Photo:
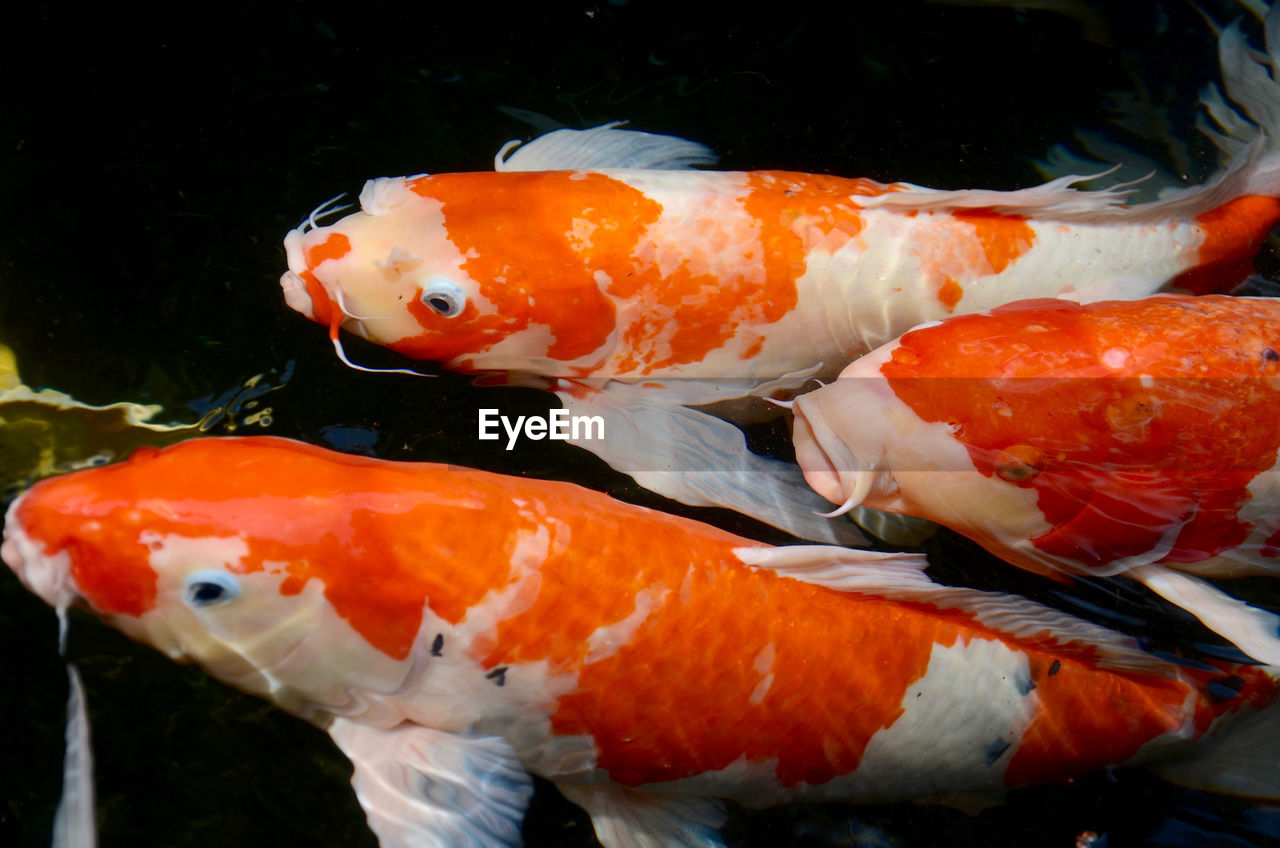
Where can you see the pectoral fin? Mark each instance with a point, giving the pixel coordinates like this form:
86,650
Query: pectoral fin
74,824
1254,631
625,818
698,459
841,569
420,786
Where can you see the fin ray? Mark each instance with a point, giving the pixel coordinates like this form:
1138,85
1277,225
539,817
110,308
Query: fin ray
420,786
625,818
604,146
1251,629
700,460
841,569
74,824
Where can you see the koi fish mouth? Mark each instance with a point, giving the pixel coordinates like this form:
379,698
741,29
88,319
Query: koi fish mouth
295,294
829,467
47,577
295,288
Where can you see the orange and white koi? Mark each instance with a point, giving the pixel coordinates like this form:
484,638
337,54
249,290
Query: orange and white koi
1123,437
455,630
596,257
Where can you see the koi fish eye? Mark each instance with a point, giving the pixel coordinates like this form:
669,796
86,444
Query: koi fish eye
1019,463
443,297
204,589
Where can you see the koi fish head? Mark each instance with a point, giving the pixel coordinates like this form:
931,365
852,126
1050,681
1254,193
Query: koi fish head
842,439
462,269
859,444
243,555
1086,439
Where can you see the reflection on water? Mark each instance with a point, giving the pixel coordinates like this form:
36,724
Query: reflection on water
47,432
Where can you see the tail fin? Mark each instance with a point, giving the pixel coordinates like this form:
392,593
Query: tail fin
1249,77
1243,123
1244,759
1240,205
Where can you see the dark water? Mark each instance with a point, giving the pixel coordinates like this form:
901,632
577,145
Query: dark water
151,165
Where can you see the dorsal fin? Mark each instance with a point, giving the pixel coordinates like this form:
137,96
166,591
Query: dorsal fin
900,577
604,146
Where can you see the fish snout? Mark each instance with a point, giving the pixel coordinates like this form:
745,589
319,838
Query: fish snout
46,576
295,294
830,466
291,282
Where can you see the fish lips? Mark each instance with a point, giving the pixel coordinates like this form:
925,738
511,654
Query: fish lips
48,576
291,283
830,468
295,294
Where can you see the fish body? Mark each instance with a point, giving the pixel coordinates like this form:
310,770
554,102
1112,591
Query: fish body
472,627
599,254
596,264
634,274
1070,439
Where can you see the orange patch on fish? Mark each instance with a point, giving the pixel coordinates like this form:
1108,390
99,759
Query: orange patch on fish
746,271
335,246
1003,237
967,245
1137,427
981,244
754,349
1233,234
950,293
470,331
659,726
323,308
536,243
1116,713
128,586
1271,548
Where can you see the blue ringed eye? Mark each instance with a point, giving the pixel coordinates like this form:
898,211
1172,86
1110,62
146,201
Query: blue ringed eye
203,589
443,297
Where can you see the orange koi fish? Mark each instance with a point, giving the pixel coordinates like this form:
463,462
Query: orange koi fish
637,288
1135,438
456,630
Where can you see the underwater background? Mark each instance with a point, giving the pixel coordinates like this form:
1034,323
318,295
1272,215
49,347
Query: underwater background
150,166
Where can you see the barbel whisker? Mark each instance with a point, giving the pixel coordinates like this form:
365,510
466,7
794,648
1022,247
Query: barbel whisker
322,210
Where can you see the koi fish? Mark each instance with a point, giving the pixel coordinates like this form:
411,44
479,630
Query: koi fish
636,287
1123,437
456,630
